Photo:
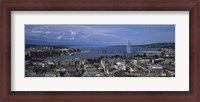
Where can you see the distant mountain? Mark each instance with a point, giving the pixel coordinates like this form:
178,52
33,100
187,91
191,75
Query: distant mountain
37,45
159,45
122,45
153,45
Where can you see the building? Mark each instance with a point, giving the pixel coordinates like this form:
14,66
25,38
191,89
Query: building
50,74
121,66
71,70
134,62
156,67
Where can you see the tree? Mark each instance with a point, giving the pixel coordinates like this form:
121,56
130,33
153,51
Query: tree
156,56
62,74
144,55
116,56
138,55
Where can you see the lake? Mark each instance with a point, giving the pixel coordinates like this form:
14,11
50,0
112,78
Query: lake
94,52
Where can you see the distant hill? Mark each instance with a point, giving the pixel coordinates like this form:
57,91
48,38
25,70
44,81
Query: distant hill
153,45
123,45
36,45
159,45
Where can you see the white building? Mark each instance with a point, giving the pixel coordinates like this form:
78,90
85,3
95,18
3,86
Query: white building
121,66
156,67
134,62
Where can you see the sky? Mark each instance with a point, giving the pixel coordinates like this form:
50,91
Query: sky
98,34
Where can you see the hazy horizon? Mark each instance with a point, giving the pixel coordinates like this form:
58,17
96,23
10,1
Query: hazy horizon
92,45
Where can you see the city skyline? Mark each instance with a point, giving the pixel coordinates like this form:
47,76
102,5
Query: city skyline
98,34
100,50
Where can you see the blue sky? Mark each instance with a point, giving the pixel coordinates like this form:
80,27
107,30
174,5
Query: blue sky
98,34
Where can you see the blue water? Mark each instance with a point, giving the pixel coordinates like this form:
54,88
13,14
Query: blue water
94,52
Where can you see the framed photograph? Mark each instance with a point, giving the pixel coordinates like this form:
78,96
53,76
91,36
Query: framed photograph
100,50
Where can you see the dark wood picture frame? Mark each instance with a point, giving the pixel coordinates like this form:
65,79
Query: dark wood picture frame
193,6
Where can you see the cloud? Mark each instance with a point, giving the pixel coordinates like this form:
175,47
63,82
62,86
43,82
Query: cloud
72,33
106,42
90,32
72,38
47,37
36,31
58,32
84,36
47,32
137,32
59,37
40,32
